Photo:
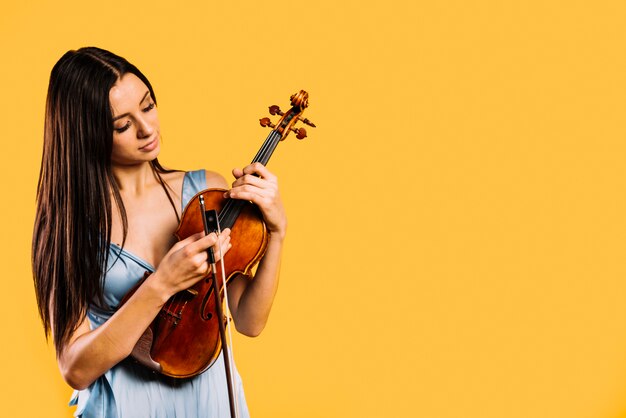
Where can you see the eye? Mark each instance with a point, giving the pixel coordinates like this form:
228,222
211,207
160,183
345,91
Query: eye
123,128
149,108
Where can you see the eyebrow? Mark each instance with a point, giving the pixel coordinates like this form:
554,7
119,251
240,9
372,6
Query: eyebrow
126,114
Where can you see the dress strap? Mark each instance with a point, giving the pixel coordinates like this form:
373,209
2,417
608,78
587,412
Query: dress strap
167,193
193,182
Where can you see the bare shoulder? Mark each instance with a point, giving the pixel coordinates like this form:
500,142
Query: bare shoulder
174,179
215,180
173,175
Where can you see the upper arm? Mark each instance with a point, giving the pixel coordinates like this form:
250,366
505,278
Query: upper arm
64,358
215,180
82,328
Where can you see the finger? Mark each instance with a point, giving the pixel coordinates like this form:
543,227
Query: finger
243,191
222,249
203,243
223,241
209,240
260,196
261,191
257,197
204,269
226,248
252,180
190,239
237,172
258,168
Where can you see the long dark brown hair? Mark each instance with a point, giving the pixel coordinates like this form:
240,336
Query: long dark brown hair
72,230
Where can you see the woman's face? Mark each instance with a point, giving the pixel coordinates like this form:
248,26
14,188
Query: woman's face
136,131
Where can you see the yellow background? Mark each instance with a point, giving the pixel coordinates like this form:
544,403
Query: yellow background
457,220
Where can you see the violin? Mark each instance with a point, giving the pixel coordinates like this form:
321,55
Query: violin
187,335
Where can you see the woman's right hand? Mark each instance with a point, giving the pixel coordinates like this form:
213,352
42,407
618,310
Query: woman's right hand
187,261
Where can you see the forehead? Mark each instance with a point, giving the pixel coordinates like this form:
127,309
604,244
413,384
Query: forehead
126,93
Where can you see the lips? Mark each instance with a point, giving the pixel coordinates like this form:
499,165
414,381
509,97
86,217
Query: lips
150,145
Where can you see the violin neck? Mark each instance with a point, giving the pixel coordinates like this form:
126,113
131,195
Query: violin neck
231,210
267,149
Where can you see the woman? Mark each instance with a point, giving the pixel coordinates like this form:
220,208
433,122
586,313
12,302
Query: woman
97,232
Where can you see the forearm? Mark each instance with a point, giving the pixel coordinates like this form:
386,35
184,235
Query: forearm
90,354
253,308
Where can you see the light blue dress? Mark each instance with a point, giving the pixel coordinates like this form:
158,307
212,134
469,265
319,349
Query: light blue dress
129,390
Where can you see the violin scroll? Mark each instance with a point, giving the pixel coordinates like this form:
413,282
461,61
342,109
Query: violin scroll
299,102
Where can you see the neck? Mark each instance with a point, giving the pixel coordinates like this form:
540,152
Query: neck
134,179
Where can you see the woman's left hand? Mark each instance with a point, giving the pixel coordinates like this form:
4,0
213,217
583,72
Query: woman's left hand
258,185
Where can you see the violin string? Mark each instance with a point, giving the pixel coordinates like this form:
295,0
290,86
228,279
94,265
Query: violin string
229,212
225,213
231,354
267,145
272,141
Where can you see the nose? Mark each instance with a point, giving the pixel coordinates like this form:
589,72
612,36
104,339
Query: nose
144,128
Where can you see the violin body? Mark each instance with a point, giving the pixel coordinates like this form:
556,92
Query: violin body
183,340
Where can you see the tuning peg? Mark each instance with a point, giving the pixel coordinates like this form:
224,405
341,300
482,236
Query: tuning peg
275,110
265,122
300,132
307,122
